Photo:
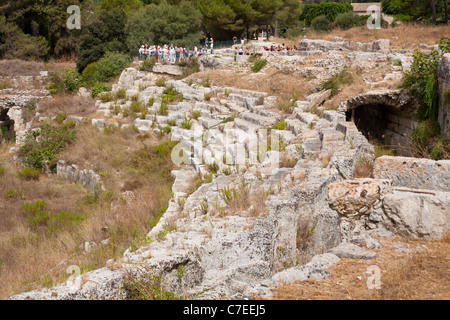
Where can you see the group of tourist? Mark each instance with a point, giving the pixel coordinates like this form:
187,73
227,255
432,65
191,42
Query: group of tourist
173,53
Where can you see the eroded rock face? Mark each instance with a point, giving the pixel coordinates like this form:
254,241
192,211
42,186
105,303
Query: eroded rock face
420,214
324,45
414,173
358,203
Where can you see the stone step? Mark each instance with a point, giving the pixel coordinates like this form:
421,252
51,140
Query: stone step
143,125
319,97
306,117
311,146
208,122
234,107
333,116
295,126
330,134
246,125
263,121
286,136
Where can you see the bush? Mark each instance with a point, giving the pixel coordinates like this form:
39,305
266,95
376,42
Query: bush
99,88
110,66
343,78
328,9
29,174
90,73
259,64
321,24
72,80
44,144
15,44
347,20
57,84
148,64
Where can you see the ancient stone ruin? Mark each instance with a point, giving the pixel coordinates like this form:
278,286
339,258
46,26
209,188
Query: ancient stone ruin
310,214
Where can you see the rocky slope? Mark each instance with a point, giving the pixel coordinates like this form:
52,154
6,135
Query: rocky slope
274,214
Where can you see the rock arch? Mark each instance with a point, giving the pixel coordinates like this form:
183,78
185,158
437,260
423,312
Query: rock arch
384,115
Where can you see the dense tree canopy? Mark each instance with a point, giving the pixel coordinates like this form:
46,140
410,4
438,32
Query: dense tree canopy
31,29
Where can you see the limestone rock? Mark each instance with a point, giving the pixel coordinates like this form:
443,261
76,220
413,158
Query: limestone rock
420,214
349,250
413,172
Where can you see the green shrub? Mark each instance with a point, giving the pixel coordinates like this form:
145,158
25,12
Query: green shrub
186,124
2,170
90,73
281,125
136,106
44,144
347,20
105,96
121,94
321,24
160,82
196,114
148,64
60,118
56,84
11,194
29,174
259,64
110,66
343,78
422,80
163,109
98,88
72,80
328,9
172,122
171,94
38,216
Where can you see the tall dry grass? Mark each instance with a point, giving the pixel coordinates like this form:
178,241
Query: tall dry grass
32,257
406,36
16,67
422,274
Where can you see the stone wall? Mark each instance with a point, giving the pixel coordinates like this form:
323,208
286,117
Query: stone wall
19,82
444,94
88,178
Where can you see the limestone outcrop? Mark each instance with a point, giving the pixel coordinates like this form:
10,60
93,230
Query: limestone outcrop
296,219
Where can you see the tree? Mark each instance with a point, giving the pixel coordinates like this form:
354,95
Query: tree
106,33
47,19
433,8
164,24
14,44
224,18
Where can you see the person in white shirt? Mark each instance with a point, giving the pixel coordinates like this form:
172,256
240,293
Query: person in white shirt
141,52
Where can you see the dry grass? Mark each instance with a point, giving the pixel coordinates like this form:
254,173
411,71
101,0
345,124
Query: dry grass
17,67
422,274
407,36
67,104
364,168
271,81
31,257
